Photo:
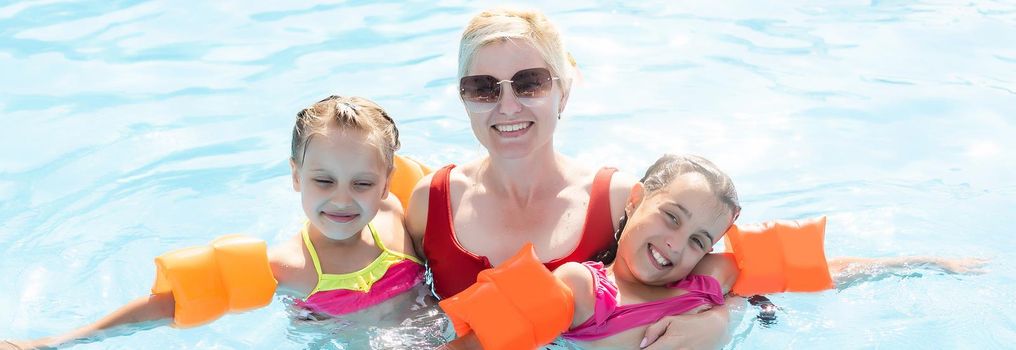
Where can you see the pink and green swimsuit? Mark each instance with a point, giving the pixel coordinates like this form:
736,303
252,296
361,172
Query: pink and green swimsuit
608,318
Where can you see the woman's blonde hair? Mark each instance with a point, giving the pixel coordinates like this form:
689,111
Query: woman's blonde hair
348,113
529,26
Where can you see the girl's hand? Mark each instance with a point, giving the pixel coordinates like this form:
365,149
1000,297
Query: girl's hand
968,266
466,342
17,345
705,330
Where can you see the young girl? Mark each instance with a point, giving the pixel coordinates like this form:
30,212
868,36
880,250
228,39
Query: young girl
353,255
674,215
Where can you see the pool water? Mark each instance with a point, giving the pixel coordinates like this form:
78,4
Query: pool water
130,128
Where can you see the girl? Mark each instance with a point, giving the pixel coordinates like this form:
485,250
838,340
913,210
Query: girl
353,256
660,264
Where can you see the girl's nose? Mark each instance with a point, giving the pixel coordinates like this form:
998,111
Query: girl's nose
673,247
341,197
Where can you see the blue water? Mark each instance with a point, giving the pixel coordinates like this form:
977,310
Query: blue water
130,128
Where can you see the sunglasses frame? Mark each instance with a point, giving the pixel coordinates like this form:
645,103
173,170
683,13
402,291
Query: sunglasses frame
526,101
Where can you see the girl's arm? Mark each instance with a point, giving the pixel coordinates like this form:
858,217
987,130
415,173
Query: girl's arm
416,214
708,329
579,279
720,266
466,342
155,307
850,270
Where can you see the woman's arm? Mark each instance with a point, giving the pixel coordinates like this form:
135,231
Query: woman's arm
155,307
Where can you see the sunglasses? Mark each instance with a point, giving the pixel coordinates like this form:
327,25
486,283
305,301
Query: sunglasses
481,93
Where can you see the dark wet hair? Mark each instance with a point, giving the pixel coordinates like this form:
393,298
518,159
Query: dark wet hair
661,173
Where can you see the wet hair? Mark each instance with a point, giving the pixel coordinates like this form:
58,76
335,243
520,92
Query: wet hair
346,113
528,26
662,173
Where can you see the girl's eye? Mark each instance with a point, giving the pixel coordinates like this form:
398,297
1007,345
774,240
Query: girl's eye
363,184
673,218
323,181
699,243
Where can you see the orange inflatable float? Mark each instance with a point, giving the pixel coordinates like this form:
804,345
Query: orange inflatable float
517,305
780,256
407,172
229,275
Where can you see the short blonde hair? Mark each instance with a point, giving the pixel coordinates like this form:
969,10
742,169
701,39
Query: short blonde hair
347,113
529,26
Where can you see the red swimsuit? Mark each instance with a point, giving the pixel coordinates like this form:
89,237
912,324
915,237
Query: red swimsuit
455,269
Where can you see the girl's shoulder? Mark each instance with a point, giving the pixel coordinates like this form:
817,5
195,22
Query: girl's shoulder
390,225
290,266
579,278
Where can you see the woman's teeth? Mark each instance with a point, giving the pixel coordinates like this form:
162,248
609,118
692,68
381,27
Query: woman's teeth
659,257
512,127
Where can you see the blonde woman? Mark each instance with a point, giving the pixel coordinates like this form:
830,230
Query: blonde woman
515,78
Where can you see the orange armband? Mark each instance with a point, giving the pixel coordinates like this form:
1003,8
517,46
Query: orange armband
517,305
407,172
230,274
780,256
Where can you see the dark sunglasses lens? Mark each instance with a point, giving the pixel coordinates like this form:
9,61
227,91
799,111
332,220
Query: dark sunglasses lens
479,88
533,82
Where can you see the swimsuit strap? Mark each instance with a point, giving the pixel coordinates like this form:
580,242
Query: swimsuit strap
385,250
310,249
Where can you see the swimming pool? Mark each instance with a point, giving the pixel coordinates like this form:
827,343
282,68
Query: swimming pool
131,128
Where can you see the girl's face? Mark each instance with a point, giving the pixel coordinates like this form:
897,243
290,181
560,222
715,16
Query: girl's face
669,231
513,129
342,182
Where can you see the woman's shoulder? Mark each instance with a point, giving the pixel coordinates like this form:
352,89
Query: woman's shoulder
618,190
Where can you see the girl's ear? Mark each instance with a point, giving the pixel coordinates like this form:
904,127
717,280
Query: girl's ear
638,193
296,174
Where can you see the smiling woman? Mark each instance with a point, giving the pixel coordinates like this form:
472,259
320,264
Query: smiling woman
474,217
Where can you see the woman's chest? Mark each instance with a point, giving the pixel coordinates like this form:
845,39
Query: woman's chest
490,227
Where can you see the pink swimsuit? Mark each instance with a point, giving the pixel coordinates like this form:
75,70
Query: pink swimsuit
390,274
608,318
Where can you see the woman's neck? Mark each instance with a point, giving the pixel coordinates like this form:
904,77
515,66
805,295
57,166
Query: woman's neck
523,179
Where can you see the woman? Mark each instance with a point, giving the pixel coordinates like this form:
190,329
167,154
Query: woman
515,78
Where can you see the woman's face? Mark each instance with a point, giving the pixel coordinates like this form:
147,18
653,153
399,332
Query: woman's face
669,231
513,129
